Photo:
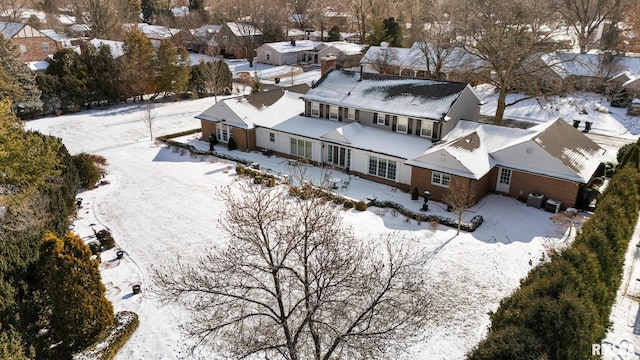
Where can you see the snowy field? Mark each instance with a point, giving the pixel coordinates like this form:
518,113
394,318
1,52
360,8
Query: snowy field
160,205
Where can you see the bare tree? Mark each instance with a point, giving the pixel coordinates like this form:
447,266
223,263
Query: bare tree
292,282
13,10
504,39
585,17
460,196
384,59
149,116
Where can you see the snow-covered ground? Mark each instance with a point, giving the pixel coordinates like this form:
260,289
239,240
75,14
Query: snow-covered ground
160,205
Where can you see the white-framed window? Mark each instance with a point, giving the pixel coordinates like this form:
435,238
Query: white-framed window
301,148
382,167
403,124
223,132
226,38
45,47
315,109
351,114
426,129
272,137
333,112
440,179
381,117
23,49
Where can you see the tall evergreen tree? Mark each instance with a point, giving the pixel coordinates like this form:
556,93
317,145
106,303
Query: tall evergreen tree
76,308
137,77
148,8
172,69
102,74
70,84
29,103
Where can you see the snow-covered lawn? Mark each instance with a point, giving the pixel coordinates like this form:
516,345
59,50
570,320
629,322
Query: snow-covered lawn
160,205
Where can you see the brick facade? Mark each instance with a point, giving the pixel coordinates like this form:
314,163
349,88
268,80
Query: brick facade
35,48
522,184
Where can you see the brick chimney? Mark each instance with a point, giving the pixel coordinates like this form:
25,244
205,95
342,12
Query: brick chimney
327,64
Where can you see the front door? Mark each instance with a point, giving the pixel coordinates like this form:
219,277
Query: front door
504,180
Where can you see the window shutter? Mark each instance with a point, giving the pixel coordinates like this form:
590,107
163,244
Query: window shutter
357,115
394,123
386,119
375,118
436,131
409,126
418,127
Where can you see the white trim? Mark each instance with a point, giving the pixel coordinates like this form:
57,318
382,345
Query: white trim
381,119
440,179
315,109
405,124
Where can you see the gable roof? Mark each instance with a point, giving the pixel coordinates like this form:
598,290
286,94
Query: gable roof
243,29
10,29
258,109
418,98
553,149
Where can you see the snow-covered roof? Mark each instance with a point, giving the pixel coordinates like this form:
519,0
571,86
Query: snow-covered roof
414,57
417,98
259,109
283,47
553,149
206,31
343,47
157,31
10,29
589,65
243,29
116,47
355,136
38,65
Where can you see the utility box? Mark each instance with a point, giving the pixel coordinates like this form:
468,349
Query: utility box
535,200
552,206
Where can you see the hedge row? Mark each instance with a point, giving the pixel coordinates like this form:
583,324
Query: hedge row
563,306
469,226
125,323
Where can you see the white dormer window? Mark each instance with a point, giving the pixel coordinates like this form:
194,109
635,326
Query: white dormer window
426,129
333,112
351,114
380,118
403,123
315,109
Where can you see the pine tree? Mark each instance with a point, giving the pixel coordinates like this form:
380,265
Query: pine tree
76,308
173,68
102,74
29,103
70,83
137,77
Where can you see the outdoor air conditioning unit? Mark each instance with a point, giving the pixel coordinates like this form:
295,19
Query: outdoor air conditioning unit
535,200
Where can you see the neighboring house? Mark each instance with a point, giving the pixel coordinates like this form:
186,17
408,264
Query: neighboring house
231,39
238,40
204,40
116,47
159,34
419,61
307,51
33,44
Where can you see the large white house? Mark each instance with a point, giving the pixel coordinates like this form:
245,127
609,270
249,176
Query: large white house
409,133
